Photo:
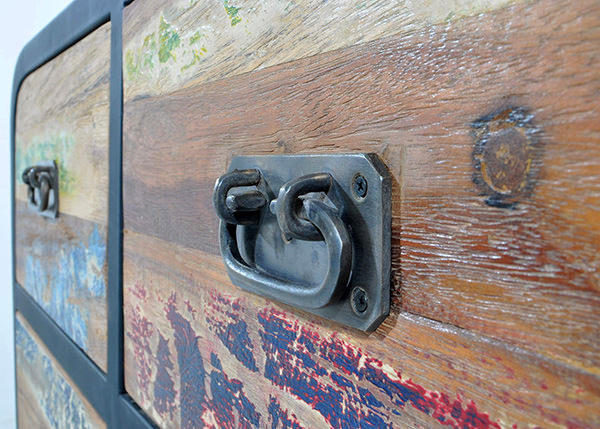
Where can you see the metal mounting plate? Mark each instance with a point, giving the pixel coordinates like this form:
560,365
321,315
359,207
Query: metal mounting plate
363,192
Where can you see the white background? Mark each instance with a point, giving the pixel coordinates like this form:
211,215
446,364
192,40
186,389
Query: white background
23,19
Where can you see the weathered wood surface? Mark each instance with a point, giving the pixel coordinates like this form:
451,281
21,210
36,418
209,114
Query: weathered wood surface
169,45
62,265
46,396
200,351
62,115
489,125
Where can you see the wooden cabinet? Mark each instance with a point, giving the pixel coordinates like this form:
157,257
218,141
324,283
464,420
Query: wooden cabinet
486,115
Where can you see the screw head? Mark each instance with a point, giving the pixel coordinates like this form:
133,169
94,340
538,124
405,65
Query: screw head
359,186
360,300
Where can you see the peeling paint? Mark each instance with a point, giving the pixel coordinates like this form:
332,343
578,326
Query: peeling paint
291,349
232,13
227,321
57,400
76,274
56,147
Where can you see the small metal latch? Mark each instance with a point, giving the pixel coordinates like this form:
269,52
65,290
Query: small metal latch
311,231
42,192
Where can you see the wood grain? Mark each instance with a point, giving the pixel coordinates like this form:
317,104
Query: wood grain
525,273
187,326
62,115
169,45
46,396
62,265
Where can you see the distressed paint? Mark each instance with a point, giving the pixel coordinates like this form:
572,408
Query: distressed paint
291,349
226,320
164,387
528,277
336,379
56,147
62,115
451,365
46,396
281,418
494,307
167,46
72,284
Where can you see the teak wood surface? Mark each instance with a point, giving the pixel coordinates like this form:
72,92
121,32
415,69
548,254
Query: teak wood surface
489,124
62,115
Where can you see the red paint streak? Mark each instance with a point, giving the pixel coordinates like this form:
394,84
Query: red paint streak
139,291
140,332
190,309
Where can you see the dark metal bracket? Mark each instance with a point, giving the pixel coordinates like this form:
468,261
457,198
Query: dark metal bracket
42,188
311,231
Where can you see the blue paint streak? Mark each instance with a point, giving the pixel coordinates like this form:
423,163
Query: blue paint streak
191,367
279,417
235,337
77,276
340,407
59,402
228,395
164,387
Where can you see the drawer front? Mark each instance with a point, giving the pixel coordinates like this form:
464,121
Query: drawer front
62,116
46,396
487,118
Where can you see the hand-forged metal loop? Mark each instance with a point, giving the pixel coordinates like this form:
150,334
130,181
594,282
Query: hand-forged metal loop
339,246
288,204
242,209
44,192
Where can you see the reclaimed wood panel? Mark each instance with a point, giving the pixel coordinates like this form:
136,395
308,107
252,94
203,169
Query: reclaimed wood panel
200,352
490,128
169,45
62,265
62,115
489,125
46,396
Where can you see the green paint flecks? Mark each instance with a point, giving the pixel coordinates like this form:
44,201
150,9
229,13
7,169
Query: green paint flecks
168,40
56,147
197,53
195,37
143,58
232,13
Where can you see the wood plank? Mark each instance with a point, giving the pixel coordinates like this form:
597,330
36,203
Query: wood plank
46,396
62,265
62,115
506,246
168,45
200,350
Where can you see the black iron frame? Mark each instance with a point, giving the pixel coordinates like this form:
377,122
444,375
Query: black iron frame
105,391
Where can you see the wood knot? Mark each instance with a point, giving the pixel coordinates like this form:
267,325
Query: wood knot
505,156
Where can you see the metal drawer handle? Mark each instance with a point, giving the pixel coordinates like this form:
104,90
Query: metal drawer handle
300,215
42,192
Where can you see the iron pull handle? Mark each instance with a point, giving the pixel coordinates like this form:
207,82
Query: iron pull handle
300,215
42,191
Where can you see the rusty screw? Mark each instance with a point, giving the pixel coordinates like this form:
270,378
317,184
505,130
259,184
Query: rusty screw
360,300
359,186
